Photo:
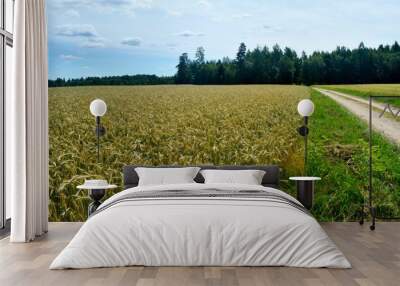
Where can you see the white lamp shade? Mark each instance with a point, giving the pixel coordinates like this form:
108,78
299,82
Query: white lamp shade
305,107
98,107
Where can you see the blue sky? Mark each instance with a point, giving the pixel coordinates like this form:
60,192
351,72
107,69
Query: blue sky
116,37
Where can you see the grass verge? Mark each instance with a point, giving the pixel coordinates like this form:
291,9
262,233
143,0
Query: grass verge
339,154
367,90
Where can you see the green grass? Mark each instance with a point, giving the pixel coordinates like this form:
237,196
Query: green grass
339,154
366,90
219,125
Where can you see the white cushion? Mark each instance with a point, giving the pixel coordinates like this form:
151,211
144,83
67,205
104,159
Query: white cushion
248,177
166,176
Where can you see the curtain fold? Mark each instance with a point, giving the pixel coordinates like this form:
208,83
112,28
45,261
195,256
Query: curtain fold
27,122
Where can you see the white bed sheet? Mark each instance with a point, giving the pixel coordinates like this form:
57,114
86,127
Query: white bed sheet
200,232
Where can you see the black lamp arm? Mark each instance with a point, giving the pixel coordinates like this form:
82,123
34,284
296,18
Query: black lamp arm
100,130
303,131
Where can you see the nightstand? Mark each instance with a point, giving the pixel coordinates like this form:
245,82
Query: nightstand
96,193
305,190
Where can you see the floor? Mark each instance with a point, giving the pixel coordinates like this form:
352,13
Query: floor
375,257
5,231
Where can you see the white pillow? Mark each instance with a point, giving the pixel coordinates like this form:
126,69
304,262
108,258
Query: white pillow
166,176
248,177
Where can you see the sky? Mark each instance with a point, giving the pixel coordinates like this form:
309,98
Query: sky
118,37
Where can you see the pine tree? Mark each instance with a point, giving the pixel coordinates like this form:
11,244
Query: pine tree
183,75
241,64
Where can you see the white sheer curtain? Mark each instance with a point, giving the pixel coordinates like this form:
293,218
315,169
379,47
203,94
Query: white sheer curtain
27,124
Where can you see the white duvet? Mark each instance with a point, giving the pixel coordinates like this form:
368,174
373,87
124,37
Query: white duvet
202,232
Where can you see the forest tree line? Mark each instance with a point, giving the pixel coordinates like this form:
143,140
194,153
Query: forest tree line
271,66
283,66
113,80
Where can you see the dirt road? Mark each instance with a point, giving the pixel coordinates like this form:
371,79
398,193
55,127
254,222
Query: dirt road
385,125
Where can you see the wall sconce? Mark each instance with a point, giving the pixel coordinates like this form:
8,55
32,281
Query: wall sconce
305,109
98,108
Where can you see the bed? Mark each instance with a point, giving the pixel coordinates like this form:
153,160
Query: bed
198,224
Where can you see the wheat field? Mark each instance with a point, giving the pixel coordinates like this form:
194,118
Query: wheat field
163,125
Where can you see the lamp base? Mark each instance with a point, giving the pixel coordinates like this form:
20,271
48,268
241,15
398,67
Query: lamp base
305,193
96,196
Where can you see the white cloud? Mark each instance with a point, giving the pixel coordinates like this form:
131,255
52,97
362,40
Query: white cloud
72,30
144,3
171,46
70,57
94,43
71,13
241,16
204,3
91,45
188,34
272,28
134,42
87,35
104,5
174,13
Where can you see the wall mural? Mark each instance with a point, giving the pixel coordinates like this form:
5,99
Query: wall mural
202,83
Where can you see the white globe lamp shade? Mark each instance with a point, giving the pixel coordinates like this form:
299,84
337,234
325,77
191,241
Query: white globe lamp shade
98,107
305,107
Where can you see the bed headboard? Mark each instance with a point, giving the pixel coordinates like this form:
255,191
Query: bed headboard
271,177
